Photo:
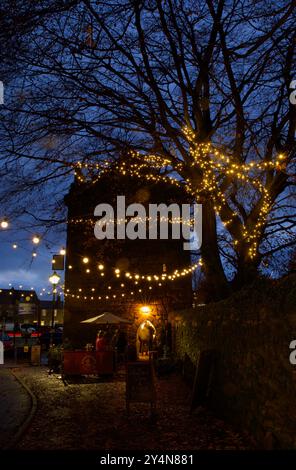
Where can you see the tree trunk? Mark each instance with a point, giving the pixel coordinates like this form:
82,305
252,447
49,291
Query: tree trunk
217,286
247,269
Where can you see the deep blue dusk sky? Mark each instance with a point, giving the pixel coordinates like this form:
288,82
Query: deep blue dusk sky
19,267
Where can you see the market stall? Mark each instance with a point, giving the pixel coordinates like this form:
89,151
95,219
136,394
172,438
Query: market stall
99,360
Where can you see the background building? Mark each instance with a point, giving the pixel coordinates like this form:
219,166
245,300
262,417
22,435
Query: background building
46,310
18,306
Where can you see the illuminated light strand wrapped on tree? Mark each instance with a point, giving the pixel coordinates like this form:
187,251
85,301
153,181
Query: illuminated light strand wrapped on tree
201,153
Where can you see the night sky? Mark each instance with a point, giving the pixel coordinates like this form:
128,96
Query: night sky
18,266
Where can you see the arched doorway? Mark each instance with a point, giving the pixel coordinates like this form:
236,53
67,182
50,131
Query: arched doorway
146,335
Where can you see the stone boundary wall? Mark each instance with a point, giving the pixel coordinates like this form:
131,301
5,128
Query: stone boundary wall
254,384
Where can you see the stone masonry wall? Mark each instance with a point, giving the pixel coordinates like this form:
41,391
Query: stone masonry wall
254,383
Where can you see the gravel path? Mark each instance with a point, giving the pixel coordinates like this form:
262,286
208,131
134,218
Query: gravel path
92,416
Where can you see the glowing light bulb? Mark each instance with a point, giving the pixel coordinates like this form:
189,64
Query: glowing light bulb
4,223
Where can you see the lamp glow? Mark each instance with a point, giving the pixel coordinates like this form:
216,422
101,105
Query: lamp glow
54,279
145,309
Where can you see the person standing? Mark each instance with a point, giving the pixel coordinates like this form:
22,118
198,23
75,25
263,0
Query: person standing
101,342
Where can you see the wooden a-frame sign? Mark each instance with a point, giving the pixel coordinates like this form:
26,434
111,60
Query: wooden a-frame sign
140,384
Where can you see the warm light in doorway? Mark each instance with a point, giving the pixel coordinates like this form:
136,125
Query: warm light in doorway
145,309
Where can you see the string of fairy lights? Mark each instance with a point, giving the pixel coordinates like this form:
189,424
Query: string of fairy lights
213,162
151,277
35,240
136,220
221,162
107,295
151,281
131,277
30,291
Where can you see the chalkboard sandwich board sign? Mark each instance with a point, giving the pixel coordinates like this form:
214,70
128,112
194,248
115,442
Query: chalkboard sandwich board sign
140,384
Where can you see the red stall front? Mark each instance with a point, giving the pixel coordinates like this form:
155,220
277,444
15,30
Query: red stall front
88,362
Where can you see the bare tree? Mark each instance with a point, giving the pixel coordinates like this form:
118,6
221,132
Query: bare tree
203,86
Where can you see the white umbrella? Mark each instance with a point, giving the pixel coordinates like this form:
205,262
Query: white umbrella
106,318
